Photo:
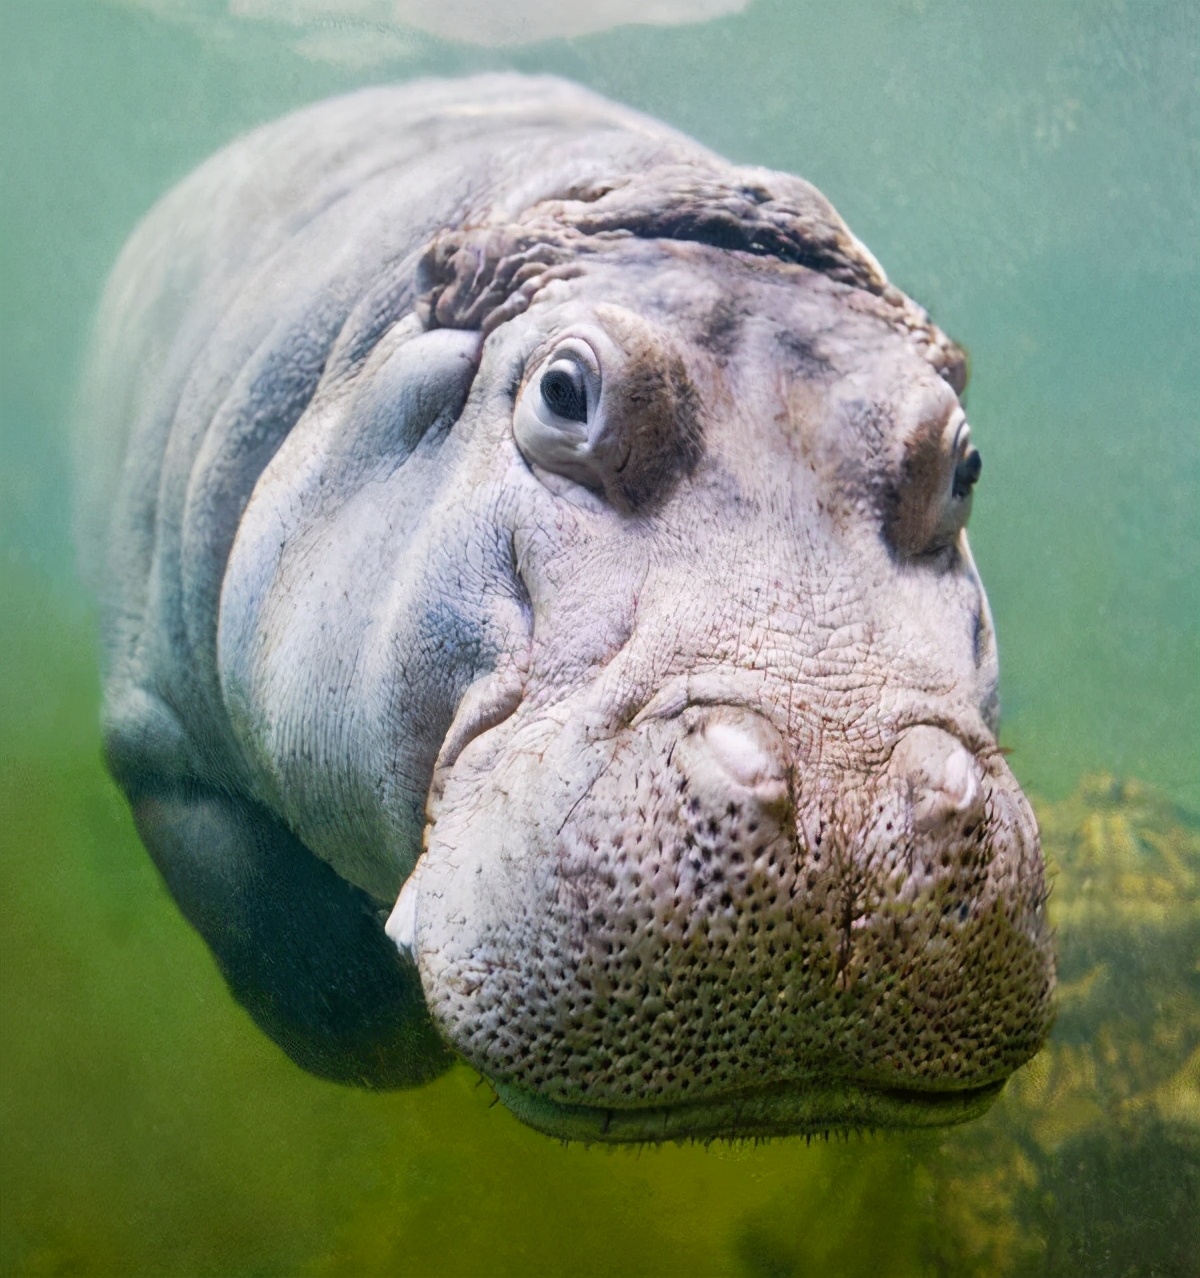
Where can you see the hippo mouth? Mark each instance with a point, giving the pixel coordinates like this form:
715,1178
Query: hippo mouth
711,945
756,1113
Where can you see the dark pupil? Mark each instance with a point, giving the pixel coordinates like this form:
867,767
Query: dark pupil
966,473
564,393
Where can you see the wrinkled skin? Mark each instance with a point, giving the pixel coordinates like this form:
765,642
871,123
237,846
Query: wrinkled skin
534,527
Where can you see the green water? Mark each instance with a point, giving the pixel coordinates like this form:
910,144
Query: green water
1028,171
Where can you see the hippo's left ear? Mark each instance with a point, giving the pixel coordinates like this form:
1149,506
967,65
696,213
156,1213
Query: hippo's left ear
480,277
952,361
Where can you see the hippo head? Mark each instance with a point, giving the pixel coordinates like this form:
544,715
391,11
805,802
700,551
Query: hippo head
718,837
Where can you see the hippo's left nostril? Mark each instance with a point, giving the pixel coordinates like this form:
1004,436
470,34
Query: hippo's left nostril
954,795
943,776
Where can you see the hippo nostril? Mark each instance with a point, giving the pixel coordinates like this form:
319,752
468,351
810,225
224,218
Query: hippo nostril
944,779
742,754
960,779
953,796
741,748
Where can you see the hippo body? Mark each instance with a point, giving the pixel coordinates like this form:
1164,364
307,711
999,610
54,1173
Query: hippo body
539,624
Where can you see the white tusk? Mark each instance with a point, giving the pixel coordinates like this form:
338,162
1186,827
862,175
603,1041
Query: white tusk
402,922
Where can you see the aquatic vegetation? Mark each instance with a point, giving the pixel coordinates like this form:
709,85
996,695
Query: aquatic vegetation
1032,177
1090,1162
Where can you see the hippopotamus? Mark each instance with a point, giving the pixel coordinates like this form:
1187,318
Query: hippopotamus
539,627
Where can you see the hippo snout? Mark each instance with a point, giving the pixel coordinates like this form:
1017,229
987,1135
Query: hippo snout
714,915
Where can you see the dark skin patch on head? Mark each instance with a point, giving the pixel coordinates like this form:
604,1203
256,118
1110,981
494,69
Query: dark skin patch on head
804,354
721,330
654,435
911,508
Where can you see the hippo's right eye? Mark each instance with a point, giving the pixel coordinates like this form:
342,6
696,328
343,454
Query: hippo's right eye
558,413
604,421
564,392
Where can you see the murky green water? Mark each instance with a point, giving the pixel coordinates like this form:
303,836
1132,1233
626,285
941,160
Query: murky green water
1028,171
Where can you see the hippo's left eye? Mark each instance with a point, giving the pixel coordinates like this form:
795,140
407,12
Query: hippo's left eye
932,501
955,506
967,472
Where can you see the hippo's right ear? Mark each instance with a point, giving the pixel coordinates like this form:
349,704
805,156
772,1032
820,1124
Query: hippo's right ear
482,276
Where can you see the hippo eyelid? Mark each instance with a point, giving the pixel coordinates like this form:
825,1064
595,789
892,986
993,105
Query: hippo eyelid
961,444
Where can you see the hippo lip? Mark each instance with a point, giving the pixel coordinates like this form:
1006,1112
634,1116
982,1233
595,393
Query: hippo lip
780,1110
488,702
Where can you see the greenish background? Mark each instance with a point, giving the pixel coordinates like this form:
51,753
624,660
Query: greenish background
1029,171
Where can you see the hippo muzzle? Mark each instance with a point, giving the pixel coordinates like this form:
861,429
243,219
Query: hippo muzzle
709,934
536,532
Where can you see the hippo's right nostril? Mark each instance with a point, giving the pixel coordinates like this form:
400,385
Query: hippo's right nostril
742,753
740,748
